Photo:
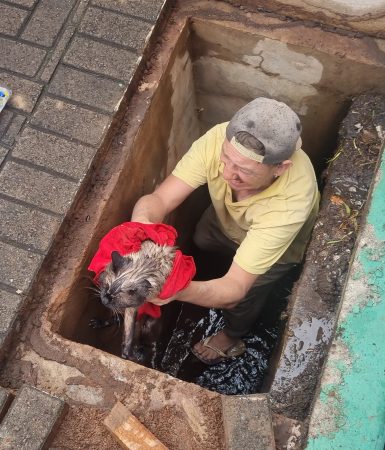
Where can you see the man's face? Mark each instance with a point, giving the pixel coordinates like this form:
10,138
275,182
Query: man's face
245,174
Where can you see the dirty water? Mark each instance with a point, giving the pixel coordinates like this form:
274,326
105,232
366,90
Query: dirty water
242,375
184,324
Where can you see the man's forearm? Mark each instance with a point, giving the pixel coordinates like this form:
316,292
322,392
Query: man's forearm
149,209
218,293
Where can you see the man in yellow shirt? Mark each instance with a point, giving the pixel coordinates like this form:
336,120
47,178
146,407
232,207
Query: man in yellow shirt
264,203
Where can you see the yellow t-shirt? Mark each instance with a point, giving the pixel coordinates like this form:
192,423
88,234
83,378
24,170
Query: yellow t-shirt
271,226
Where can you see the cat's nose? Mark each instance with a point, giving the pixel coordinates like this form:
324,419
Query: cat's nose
106,299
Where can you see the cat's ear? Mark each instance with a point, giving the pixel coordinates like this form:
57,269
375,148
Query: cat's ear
117,261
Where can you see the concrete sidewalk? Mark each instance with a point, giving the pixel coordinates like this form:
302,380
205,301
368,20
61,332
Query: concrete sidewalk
69,64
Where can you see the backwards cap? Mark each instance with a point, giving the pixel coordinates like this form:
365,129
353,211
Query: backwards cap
273,123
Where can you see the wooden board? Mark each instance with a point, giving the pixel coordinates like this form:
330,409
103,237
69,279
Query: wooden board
129,432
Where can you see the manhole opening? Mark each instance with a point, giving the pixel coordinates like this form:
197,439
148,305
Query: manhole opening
214,70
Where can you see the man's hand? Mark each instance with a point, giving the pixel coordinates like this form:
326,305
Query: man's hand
161,302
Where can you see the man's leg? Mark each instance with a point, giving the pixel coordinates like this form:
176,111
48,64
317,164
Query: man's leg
240,319
208,236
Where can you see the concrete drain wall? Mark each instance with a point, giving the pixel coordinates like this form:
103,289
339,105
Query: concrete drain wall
212,70
208,78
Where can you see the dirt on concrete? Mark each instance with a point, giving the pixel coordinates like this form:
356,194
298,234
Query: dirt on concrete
83,428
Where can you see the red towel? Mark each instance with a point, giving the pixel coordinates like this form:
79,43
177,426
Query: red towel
127,238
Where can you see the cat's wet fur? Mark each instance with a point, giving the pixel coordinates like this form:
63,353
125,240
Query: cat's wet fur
125,285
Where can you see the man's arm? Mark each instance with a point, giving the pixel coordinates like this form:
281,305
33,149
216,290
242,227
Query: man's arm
225,292
154,207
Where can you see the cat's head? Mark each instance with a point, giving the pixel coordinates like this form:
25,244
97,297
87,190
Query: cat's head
122,285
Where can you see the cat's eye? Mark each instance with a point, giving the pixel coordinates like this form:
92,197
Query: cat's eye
131,291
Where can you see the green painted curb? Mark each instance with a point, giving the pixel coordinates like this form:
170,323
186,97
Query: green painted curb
349,413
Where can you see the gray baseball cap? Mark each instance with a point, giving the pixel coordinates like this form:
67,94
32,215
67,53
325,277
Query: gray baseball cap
271,122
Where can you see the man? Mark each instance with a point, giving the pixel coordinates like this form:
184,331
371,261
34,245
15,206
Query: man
264,203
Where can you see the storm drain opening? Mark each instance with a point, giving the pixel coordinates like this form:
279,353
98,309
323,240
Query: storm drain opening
213,71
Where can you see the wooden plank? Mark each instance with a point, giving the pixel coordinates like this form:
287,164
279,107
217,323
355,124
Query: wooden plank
129,432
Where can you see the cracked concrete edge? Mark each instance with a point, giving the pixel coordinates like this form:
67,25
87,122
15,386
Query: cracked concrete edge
349,409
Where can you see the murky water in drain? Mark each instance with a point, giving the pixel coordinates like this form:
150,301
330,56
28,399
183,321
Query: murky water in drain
241,375
190,324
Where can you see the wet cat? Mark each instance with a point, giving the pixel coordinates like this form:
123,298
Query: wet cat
127,282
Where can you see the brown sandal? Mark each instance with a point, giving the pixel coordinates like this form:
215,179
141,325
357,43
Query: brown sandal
234,350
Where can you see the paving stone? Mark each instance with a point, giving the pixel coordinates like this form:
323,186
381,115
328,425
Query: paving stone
26,3
46,21
148,9
20,58
31,420
101,58
27,226
53,152
5,395
93,90
18,267
288,433
115,27
24,92
9,307
11,19
78,13
247,422
13,129
3,153
71,120
36,187
5,120
57,53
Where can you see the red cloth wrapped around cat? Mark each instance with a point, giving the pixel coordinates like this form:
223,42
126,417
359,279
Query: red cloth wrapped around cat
127,238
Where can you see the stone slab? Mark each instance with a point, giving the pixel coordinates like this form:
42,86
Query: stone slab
25,3
115,28
148,9
3,153
28,226
13,129
289,433
53,152
101,58
9,308
71,120
20,58
57,53
24,92
37,188
46,21
5,400
31,421
18,266
5,120
247,422
92,90
11,19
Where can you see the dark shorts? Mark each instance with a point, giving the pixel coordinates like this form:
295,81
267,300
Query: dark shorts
240,319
